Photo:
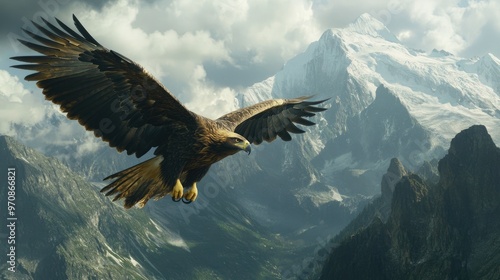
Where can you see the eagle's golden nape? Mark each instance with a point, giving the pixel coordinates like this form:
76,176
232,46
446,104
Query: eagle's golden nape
99,88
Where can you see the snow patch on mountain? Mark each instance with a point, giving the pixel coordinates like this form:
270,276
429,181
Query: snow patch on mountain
320,196
368,25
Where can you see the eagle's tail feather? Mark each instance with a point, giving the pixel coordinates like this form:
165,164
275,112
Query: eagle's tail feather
138,183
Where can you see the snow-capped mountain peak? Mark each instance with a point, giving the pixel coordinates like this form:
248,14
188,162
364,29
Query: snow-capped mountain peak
368,25
442,93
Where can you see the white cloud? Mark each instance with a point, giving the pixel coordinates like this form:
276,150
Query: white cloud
170,56
260,27
89,145
463,27
28,116
210,101
330,13
452,25
174,40
17,104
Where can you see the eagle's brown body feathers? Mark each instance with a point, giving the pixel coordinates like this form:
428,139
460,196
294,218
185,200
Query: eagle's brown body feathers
124,105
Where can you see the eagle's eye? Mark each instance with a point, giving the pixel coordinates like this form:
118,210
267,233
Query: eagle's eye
236,140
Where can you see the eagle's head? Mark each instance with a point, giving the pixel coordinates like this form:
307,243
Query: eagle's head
229,143
235,142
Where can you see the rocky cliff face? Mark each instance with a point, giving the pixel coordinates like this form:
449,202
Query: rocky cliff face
384,130
380,207
446,231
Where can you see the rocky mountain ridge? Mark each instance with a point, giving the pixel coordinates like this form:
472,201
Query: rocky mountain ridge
443,231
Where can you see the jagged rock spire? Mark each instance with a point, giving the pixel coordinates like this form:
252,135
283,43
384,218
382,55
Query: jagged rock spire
394,173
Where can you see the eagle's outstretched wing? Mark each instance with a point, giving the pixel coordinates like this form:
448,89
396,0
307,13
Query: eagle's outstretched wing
105,91
271,118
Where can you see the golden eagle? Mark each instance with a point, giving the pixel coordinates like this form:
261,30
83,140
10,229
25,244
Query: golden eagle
124,105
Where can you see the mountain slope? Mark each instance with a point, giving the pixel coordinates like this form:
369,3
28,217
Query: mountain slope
66,229
448,231
382,131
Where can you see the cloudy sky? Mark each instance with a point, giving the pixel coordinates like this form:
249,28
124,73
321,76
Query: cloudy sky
212,48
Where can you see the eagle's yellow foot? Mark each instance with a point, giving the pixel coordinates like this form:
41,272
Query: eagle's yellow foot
191,194
177,191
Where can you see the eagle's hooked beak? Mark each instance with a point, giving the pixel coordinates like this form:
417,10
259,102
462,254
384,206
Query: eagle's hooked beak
248,148
245,146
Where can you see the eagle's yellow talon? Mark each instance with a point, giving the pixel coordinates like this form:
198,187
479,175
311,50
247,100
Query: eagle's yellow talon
192,193
177,191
